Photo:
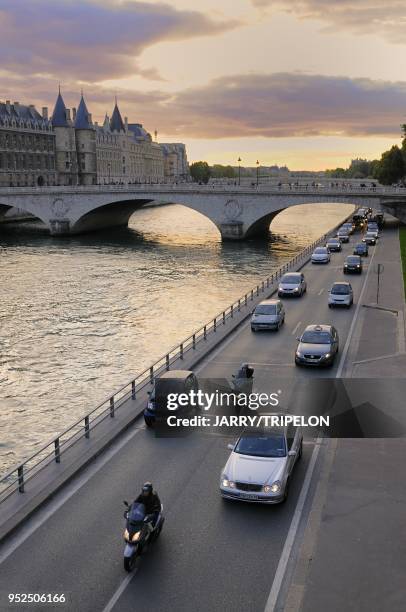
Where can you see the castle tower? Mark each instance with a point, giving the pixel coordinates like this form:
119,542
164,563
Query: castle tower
85,135
65,157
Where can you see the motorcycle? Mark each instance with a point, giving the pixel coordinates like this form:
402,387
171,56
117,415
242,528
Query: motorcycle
139,532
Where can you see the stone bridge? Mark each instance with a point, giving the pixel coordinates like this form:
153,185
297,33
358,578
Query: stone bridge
238,212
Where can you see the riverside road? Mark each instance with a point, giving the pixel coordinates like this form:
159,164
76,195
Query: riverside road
215,555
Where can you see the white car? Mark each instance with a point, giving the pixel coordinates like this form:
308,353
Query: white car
340,294
268,314
261,464
292,283
320,255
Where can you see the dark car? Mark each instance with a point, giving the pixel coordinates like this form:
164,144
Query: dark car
334,244
353,264
318,346
361,249
174,381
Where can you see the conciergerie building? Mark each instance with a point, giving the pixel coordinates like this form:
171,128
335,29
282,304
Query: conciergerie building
70,149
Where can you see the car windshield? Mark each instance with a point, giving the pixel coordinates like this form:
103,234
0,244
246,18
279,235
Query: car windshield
353,259
265,309
334,241
320,251
360,247
266,445
370,234
340,289
291,279
316,337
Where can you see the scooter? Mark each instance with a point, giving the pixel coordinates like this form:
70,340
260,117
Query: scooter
139,532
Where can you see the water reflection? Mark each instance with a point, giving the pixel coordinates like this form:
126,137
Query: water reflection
80,315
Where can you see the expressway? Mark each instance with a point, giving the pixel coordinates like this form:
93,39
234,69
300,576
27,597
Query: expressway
212,555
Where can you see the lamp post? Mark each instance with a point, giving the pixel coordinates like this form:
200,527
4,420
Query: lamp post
239,171
257,172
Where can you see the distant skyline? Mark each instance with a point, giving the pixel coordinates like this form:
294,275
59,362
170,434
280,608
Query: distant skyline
306,83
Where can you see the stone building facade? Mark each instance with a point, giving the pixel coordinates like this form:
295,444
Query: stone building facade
126,153
70,149
27,146
176,166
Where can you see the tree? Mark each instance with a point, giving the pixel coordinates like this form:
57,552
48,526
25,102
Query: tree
391,168
200,172
219,171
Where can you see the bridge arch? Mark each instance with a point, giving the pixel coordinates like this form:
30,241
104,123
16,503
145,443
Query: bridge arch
5,208
119,212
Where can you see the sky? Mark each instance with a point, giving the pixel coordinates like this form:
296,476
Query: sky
307,83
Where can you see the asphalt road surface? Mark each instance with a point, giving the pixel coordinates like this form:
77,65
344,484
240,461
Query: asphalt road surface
212,554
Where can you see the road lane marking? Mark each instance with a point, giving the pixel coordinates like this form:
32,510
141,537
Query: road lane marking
60,499
119,591
290,538
321,291
353,322
296,328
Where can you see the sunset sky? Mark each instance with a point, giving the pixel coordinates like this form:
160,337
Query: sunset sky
306,83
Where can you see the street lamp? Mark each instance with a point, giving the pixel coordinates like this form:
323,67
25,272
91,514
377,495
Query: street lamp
257,172
239,171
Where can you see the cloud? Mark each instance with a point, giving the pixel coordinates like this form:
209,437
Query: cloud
282,105
278,105
92,40
385,19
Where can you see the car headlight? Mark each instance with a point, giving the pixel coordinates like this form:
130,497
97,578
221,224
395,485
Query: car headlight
299,354
327,356
228,483
126,535
275,487
150,405
296,289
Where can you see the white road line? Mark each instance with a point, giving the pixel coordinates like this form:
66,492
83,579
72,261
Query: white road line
321,291
119,591
290,538
353,322
60,499
296,328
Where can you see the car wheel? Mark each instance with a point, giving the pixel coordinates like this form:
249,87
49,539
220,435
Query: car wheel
330,305
253,329
299,455
148,421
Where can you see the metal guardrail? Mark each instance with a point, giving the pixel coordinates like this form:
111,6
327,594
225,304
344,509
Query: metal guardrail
17,478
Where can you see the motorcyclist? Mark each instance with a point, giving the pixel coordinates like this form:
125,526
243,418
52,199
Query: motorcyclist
245,371
151,501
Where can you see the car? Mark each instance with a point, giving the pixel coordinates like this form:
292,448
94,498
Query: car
343,235
374,231
317,346
260,465
340,294
353,263
361,249
333,244
348,226
268,314
173,381
369,238
292,283
320,255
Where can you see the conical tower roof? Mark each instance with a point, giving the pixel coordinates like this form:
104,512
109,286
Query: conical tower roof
59,114
116,122
82,121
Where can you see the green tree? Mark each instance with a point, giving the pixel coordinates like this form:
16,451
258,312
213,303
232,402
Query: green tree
219,171
391,168
200,172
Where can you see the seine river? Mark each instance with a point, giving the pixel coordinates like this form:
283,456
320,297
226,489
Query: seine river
79,316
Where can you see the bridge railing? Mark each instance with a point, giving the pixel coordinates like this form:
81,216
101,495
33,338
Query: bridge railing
52,452
285,187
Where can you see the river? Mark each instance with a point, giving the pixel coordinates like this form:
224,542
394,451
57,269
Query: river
79,316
